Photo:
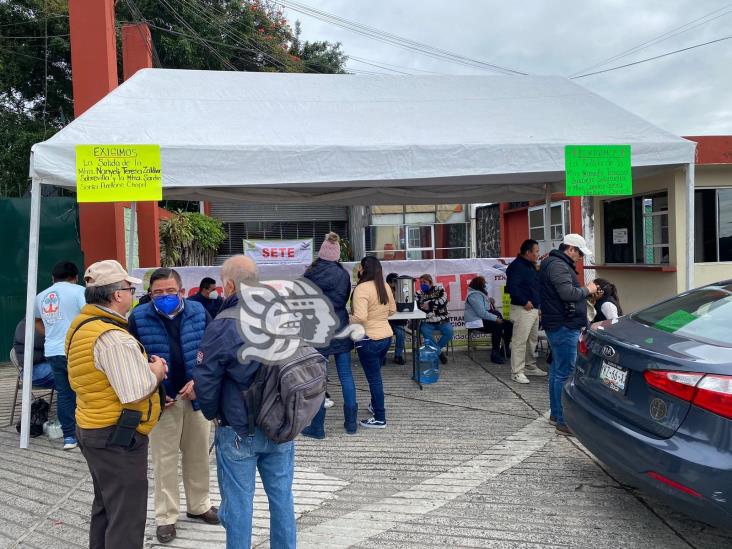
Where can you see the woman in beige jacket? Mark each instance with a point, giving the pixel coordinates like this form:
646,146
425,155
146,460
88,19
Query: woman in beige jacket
372,304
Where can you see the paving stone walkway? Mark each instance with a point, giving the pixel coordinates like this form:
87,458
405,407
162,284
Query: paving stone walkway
468,462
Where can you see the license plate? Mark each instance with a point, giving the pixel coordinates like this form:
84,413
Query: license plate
613,376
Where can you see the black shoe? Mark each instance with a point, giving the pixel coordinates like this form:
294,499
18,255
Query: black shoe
443,357
564,430
399,360
306,432
497,359
166,533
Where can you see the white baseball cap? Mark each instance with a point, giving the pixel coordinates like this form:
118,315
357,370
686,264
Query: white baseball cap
109,271
577,241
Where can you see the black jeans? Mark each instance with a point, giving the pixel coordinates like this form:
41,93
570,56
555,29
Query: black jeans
503,331
119,510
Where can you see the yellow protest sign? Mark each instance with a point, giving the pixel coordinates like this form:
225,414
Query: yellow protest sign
506,304
118,173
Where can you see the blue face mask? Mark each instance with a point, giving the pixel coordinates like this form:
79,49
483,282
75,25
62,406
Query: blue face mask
424,287
167,304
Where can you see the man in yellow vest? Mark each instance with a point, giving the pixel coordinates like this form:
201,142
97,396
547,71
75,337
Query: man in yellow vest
117,405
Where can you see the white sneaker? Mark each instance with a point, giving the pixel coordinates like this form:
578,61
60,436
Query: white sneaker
328,403
534,371
520,378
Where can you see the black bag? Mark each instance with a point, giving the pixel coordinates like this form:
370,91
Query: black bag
38,416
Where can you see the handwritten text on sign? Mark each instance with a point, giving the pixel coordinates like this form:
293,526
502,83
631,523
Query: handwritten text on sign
598,170
118,173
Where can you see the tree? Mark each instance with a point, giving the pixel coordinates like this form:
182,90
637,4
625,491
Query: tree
35,58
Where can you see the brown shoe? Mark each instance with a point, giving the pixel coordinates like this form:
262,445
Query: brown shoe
166,533
209,517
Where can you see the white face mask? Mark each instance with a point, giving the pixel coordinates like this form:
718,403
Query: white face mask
213,294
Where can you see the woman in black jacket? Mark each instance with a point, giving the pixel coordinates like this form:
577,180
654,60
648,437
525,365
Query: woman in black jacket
335,283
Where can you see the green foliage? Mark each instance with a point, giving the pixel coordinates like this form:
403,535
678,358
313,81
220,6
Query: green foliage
346,250
190,239
245,35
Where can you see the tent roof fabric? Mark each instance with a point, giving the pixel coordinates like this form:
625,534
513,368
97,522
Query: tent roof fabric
347,139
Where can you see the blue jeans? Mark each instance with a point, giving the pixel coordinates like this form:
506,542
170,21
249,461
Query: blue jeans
372,354
238,459
348,386
42,376
564,357
399,336
66,401
445,328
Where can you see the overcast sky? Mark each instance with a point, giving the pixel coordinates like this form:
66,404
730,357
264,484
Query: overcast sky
689,93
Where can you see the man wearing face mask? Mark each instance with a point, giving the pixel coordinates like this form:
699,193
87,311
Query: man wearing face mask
208,296
172,328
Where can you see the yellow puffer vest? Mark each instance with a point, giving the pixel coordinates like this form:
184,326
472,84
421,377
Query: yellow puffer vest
97,405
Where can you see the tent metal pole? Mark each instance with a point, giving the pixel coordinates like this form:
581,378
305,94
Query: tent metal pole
30,321
547,217
131,232
690,226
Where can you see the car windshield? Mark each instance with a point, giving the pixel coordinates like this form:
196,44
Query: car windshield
704,314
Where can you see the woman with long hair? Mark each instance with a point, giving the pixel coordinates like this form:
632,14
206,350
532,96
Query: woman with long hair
481,314
372,304
328,274
607,304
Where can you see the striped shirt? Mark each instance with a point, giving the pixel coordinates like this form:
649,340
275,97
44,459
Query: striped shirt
117,354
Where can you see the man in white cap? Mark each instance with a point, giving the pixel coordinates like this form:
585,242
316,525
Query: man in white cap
563,314
117,404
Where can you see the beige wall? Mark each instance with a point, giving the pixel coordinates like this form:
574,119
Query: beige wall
640,288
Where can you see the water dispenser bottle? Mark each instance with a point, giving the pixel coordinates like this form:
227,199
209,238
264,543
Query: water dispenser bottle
429,364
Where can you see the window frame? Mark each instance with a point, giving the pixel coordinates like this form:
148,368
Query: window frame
639,222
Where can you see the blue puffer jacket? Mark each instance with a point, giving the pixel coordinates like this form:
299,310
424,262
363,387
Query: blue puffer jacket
147,327
219,376
335,282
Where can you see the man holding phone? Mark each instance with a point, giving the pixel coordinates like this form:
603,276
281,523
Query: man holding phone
172,327
117,405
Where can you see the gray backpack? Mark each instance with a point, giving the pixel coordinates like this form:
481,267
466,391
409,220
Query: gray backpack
284,398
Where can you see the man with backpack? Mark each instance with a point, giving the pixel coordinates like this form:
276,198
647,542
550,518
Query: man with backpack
219,379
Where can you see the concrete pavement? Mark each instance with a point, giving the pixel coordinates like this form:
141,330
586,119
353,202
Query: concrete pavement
468,462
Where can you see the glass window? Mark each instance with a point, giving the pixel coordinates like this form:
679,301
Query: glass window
636,230
385,241
387,219
725,224
704,315
419,218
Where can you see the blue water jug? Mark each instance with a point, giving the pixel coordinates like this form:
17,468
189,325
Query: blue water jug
428,366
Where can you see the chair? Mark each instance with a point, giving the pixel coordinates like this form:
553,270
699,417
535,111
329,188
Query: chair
19,384
473,340
541,339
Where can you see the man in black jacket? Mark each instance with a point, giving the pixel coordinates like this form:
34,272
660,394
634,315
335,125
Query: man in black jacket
208,296
219,378
564,314
522,283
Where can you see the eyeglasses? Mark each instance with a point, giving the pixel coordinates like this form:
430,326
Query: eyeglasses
131,289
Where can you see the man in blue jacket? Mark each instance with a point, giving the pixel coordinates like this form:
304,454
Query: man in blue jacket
522,283
172,328
219,378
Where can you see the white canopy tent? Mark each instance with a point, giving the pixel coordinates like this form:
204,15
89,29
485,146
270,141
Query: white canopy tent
349,140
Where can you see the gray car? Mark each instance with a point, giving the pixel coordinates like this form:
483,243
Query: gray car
651,397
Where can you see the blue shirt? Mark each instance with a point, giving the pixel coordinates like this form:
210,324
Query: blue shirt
57,306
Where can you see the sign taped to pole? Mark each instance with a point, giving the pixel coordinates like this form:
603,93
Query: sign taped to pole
118,173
